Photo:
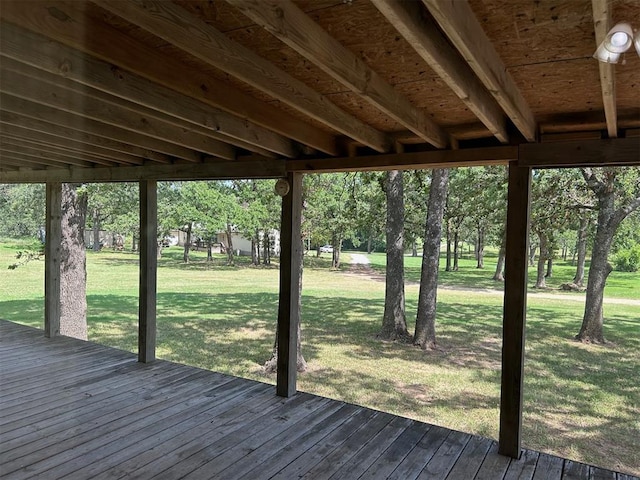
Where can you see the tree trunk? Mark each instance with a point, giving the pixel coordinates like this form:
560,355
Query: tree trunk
271,365
581,248
549,273
230,252
480,248
394,322
532,254
369,245
592,330
210,249
448,266
73,269
456,250
542,260
425,334
187,244
96,230
498,276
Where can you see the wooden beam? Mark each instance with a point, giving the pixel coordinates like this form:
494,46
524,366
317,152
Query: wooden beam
148,271
460,24
252,168
41,87
32,49
288,306
68,22
191,34
408,161
155,149
52,144
24,150
286,21
602,25
65,137
581,153
52,257
31,162
425,37
515,310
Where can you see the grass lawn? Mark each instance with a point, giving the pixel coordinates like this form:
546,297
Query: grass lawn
581,401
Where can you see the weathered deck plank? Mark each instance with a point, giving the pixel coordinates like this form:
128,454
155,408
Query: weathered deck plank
76,410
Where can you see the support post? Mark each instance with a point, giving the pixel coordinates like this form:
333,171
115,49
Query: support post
148,271
514,311
288,307
53,241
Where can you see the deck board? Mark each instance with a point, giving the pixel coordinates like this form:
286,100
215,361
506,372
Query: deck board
76,410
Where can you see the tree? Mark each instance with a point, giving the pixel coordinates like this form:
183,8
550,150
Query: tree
394,322
425,334
73,270
22,210
618,193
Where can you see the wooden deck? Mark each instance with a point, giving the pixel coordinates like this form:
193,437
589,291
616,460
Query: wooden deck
73,409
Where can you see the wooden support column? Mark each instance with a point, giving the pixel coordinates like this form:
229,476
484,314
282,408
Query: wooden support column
288,307
514,311
53,240
148,271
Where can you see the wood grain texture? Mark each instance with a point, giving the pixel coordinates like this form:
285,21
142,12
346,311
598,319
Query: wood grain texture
515,310
460,24
179,27
118,48
147,297
53,242
433,47
292,26
576,153
116,418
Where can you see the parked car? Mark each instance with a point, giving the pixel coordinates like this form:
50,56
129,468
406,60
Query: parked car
326,249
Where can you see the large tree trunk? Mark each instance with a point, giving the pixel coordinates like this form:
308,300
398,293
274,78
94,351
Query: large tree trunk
271,365
394,322
581,248
425,335
608,221
73,269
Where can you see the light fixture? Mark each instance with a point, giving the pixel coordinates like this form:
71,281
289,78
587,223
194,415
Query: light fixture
618,40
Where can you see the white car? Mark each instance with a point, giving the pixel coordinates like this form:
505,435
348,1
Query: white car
326,249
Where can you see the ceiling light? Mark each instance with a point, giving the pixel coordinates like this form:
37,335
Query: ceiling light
605,55
619,38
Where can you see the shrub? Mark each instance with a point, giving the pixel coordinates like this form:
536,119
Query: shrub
628,259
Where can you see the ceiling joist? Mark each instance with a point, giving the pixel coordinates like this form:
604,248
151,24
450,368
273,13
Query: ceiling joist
86,105
424,36
68,23
63,132
194,36
602,25
286,21
461,26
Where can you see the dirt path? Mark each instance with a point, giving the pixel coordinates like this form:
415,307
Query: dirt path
360,266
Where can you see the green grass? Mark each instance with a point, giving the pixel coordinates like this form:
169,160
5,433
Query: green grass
581,401
619,284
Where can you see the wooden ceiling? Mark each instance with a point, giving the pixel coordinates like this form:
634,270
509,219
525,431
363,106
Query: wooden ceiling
121,90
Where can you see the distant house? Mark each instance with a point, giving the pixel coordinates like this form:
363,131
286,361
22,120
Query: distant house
241,244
